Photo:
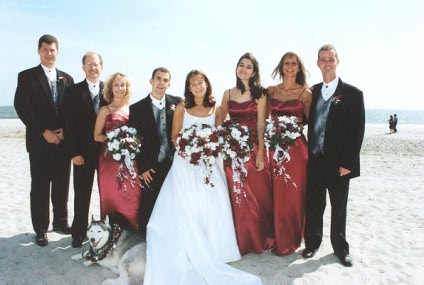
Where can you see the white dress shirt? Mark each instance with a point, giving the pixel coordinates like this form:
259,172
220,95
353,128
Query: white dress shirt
329,88
160,104
93,87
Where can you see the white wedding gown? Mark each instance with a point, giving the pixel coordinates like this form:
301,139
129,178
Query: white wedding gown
190,235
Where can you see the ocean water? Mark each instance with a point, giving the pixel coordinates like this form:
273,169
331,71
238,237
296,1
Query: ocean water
372,116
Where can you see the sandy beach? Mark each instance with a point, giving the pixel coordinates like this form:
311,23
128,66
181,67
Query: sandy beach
385,223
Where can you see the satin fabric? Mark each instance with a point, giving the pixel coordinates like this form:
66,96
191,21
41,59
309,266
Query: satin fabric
190,235
289,200
253,207
124,201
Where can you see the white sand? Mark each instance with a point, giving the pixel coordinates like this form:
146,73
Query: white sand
384,227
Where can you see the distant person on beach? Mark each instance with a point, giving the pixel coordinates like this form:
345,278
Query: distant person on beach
81,105
395,121
391,124
39,104
335,135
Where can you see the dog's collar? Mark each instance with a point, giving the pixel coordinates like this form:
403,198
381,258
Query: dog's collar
104,251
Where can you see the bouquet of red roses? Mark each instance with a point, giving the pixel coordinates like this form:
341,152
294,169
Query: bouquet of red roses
200,146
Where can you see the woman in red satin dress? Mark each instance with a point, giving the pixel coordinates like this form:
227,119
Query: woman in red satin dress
290,98
117,200
252,204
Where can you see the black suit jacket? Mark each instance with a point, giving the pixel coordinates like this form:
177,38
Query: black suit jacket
344,131
143,119
34,106
79,120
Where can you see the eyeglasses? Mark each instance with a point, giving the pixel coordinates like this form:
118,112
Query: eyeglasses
92,64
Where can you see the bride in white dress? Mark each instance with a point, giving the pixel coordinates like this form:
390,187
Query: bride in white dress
190,235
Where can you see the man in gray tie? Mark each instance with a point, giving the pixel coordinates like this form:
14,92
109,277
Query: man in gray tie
152,117
335,134
82,102
39,105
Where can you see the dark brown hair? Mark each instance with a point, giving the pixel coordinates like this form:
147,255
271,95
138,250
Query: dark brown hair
48,39
256,89
208,101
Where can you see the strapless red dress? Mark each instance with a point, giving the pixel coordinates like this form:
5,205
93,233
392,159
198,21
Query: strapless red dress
113,199
289,200
253,208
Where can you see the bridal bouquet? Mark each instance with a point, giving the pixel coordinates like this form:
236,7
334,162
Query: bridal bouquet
123,145
280,133
235,151
199,145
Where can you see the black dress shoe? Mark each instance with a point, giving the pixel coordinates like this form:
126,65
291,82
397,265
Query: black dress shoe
62,228
309,252
345,259
41,239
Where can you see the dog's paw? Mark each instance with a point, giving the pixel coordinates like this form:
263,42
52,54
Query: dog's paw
76,256
87,263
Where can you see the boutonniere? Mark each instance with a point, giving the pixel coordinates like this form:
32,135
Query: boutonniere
61,80
337,99
171,109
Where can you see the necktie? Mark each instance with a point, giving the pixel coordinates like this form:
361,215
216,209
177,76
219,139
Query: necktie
96,101
54,93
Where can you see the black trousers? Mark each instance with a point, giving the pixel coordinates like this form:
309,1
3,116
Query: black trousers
151,192
50,174
83,187
324,175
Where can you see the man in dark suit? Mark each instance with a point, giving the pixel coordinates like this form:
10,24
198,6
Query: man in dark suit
39,104
152,117
81,104
335,135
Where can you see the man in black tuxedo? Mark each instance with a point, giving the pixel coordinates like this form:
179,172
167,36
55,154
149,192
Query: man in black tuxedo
335,135
152,117
81,104
39,104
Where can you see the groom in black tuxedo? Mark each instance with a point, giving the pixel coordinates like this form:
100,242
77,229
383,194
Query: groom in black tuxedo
82,102
335,135
39,104
152,117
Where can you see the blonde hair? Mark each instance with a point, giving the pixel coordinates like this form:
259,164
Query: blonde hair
108,94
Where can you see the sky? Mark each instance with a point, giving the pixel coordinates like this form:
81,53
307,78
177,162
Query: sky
378,41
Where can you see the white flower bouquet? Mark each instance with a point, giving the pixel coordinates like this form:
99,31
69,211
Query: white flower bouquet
123,145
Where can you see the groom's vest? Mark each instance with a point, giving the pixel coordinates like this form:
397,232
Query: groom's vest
160,117
316,143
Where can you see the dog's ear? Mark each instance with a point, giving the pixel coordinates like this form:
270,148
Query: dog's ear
107,220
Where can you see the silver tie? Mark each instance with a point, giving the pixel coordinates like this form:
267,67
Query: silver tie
54,93
96,101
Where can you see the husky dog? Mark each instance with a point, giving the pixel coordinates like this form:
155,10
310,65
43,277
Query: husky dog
121,251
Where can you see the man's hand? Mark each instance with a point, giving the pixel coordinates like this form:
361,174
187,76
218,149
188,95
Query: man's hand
78,160
147,177
343,171
51,137
59,134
